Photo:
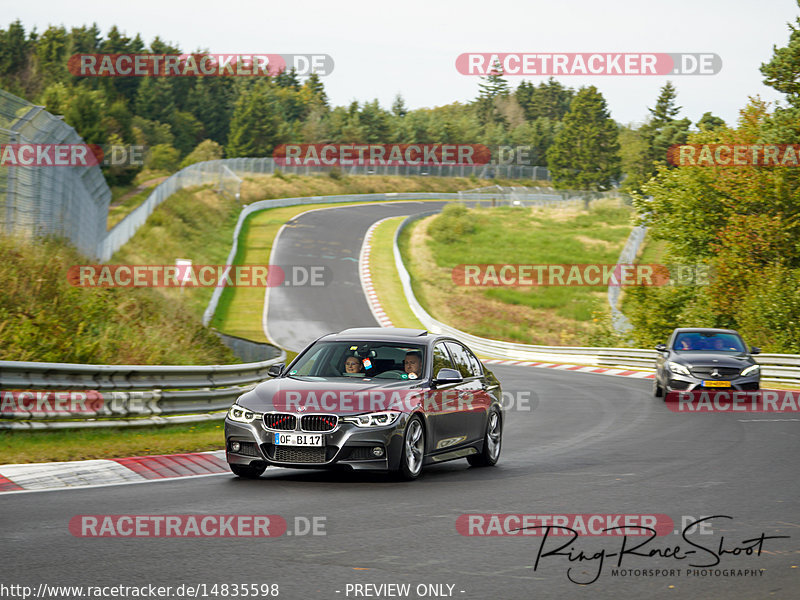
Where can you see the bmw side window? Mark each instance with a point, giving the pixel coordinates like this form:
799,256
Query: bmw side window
461,359
475,364
441,359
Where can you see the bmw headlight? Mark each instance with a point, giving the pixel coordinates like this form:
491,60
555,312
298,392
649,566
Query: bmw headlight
376,419
242,415
678,368
751,370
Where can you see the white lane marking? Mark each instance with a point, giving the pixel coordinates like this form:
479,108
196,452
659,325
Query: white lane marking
766,420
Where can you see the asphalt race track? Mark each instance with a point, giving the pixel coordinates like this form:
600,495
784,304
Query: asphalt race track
583,444
330,238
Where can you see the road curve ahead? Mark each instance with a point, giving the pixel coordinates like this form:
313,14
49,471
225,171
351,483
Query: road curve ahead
331,238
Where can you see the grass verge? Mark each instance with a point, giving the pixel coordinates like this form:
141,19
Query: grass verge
551,315
384,276
119,211
112,442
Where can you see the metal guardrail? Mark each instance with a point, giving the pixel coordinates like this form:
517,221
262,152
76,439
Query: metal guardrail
136,393
626,257
776,368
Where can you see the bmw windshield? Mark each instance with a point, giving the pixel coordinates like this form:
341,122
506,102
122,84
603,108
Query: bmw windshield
360,360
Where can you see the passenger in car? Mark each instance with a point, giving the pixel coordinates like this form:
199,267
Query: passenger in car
353,367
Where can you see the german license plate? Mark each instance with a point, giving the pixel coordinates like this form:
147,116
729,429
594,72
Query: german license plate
298,439
720,384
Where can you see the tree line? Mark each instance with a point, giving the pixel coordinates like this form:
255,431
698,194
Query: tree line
186,119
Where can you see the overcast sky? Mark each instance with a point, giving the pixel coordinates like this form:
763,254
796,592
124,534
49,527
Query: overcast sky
410,47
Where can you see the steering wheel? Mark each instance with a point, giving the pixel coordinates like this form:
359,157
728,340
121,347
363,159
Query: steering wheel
393,374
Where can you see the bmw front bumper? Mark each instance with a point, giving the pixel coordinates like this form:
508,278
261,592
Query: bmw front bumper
347,445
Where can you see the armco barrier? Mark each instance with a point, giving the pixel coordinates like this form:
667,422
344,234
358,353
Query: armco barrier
777,368
139,394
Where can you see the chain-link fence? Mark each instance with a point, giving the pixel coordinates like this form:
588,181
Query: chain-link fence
71,202
268,166
542,196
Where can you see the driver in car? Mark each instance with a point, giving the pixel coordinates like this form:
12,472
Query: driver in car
413,364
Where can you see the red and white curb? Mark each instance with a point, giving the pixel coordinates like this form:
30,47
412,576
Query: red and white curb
112,471
366,277
571,367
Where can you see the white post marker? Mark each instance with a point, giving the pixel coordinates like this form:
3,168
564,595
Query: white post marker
183,264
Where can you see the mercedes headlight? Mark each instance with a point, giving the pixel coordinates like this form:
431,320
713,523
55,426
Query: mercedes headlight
751,370
242,415
678,368
376,419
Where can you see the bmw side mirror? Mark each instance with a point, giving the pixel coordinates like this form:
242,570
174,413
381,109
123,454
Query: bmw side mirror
754,350
276,370
661,347
448,376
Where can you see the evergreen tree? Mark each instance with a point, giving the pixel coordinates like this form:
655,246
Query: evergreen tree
660,132
782,72
85,39
376,123
493,84
256,126
524,93
154,99
585,152
51,55
491,87
211,101
399,106
314,85
709,122
288,79
85,112
15,49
